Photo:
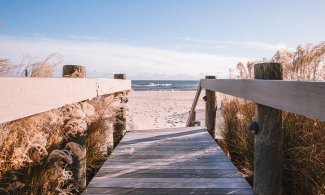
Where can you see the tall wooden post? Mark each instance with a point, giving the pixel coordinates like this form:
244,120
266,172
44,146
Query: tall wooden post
120,123
79,162
74,71
268,153
210,109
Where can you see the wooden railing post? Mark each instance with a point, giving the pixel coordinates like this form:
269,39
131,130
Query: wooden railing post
194,121
79,162
192,111
210,109
268,153
120,122
74,71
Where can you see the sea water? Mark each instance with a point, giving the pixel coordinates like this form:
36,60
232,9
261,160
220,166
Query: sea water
165,85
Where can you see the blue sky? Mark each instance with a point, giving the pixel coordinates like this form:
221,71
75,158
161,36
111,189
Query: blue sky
166,39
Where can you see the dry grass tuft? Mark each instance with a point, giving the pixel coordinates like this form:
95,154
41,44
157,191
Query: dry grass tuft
100,133
35,67
237,115
304,155
35,152
5,67
31,67
303,138
303,145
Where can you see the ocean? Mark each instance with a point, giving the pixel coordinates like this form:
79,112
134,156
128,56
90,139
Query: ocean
164,85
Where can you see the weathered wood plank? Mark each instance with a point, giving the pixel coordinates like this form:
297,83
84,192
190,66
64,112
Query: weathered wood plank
185,148
301,97
139,168
164,191
137,162
188,173
170,182
219,166
22,97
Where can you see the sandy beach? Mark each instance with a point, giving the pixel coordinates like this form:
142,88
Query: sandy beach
162,109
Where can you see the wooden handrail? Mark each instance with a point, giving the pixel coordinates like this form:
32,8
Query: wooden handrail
271,96
300,97
191,114
22,97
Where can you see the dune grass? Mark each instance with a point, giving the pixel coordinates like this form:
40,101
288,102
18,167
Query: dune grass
303,138
36,152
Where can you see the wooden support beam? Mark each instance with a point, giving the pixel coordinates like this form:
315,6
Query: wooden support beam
194,122
120,122
191,115
268,153
210,109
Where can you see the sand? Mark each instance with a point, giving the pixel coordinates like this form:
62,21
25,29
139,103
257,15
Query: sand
162,109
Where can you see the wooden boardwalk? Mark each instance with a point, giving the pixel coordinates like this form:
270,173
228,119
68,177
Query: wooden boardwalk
168,161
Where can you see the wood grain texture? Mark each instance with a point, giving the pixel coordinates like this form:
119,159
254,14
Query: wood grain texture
196,99
120,76
300,97
174,191
268,153
74,71
210,109
22,97
169,161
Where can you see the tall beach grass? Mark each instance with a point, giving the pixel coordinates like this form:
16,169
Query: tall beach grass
303,138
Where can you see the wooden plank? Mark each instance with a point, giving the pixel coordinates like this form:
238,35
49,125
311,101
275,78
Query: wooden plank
168,173
184,166
300,97
142,169
169,155
161,148
172,175
169,182
170,162
22,97
164,191
167,161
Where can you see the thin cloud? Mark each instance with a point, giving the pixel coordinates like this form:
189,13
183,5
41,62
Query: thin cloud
248,44
266,46
105,58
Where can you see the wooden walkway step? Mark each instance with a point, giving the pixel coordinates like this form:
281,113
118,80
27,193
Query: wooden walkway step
168,161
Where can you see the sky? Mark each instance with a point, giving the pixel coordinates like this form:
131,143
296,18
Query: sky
157,39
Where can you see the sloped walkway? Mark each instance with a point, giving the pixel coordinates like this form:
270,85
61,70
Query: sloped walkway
168,161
